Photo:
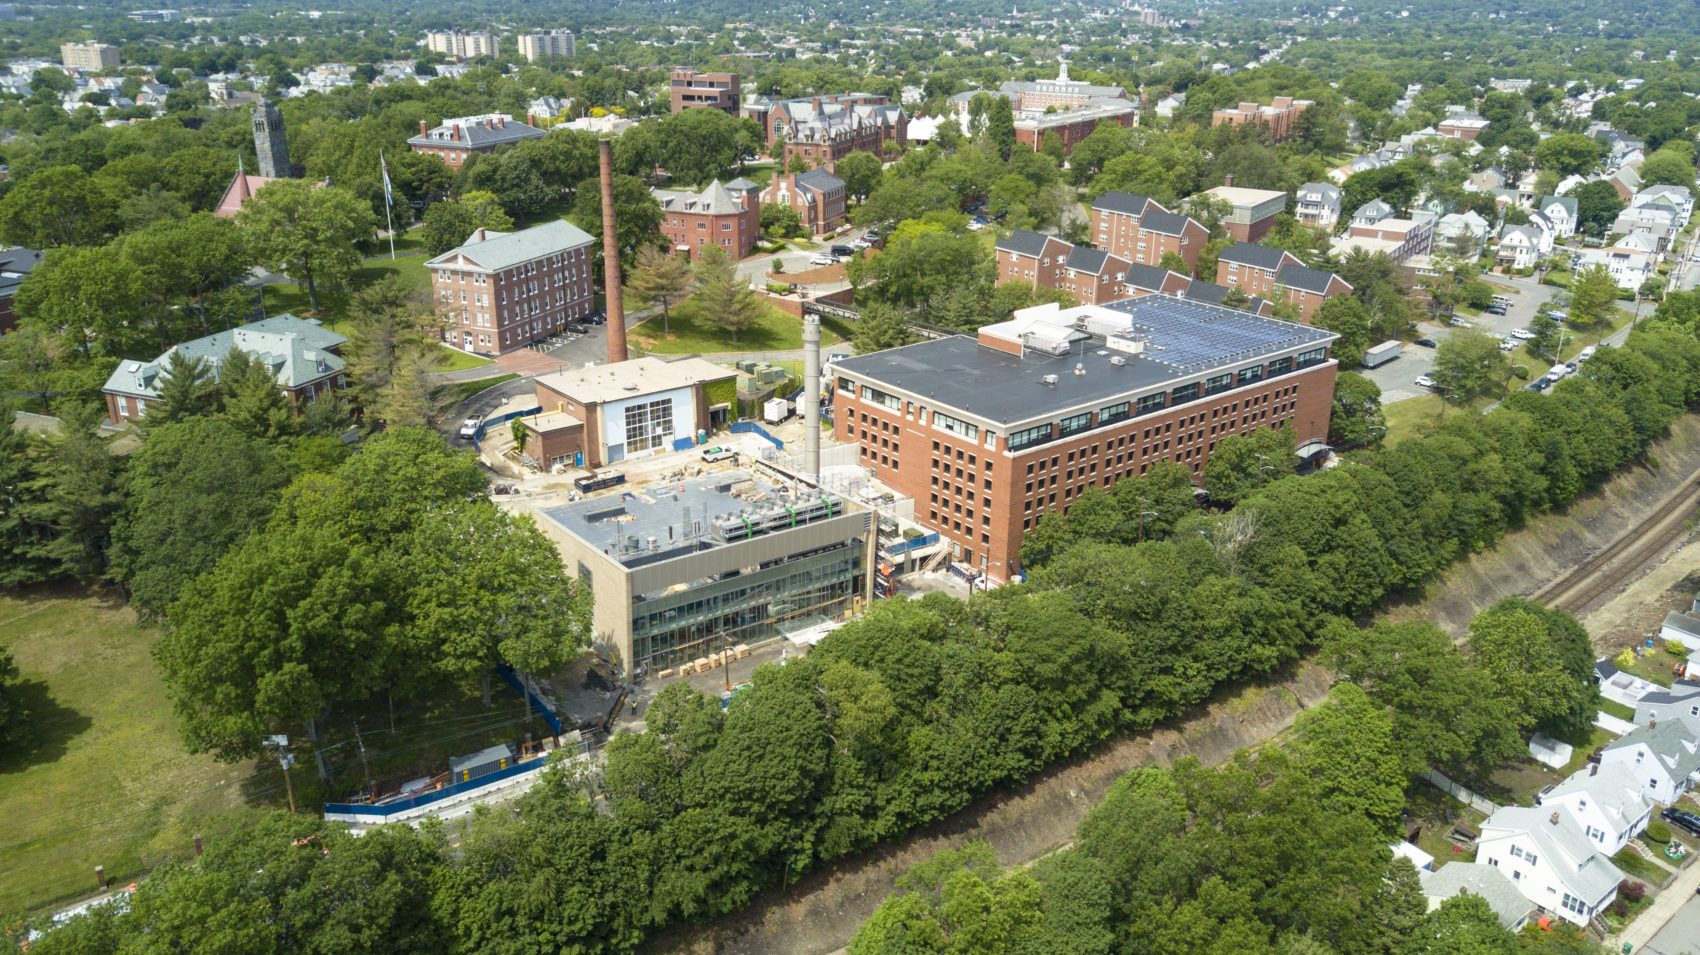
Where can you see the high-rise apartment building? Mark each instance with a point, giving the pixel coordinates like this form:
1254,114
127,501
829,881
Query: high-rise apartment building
89,56
462,44
547,43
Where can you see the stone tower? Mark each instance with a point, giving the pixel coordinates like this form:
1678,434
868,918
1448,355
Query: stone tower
270,142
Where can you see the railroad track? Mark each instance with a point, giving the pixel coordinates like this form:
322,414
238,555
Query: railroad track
1581,587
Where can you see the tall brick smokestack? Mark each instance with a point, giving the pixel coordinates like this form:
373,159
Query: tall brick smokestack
611,260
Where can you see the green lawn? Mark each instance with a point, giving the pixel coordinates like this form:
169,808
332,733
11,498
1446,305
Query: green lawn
693,333
1614,708
454,360
1654,665
105,745
466,389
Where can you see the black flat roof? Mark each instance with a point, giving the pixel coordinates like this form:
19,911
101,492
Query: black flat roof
1184,340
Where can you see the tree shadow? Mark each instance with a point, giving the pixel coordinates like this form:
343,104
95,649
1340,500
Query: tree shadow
47,731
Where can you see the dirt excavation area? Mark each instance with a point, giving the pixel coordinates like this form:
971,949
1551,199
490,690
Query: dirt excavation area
819,915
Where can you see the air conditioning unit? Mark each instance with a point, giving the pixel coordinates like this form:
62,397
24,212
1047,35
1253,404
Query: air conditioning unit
1118,361
1049,379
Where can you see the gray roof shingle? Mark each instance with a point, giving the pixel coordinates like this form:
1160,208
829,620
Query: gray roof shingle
500,250
1147,277
1257,256
1477,878
1084,258
297,350
1023,242
1306,279
1166,223
1123,202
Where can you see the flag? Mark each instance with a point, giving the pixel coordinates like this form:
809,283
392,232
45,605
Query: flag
384,167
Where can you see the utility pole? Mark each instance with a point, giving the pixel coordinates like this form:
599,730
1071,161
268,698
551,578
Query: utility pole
363,763
285,759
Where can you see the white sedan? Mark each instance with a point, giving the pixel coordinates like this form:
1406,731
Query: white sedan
1507,344
1522,333
1424,381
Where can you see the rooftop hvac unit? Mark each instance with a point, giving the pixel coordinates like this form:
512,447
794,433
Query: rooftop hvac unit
1118,360
1049,379
1127,346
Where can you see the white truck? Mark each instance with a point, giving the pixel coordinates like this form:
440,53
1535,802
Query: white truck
1381,354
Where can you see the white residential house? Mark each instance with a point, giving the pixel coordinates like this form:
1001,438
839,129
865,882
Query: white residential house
1664,757
1680,702
1171,104
1568,183
1608,803
1477,878
1372,212
1630,261
1519,247
1561,212
1317,204
1683,626
1660,220
1468,223
1679,196
1550,860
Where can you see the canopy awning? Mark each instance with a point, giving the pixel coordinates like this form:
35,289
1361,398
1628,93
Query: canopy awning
1311,449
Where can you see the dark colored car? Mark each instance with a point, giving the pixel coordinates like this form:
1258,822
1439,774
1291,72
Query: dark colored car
1495,310
597,317
1684,820
1426,343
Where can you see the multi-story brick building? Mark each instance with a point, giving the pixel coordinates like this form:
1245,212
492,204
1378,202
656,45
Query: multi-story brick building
1401,239
15,266
1465,126
824,129
1140,230
547,43
1279,276
303,356
1070,108
818,196
1092,276
501,290
716,215
1252,211
1279,116
456,139
1074,125
989,434
88,56
689,88
463,44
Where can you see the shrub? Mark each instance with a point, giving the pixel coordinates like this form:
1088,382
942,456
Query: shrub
1675,648
1631,890
1657,832
1620,907
778,265
1624,660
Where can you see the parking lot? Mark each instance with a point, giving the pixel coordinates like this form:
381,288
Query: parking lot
1397,378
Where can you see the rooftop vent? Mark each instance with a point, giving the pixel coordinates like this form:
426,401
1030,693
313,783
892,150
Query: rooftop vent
1118,361
1049,379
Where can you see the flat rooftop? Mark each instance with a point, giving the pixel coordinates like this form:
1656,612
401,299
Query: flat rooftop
1183,339
1242,196
678,515
599,384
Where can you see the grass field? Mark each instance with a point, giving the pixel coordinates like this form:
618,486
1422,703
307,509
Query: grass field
104,744
693,333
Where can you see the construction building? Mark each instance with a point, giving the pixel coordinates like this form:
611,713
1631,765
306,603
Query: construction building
547,43
690,88
989,434
684,570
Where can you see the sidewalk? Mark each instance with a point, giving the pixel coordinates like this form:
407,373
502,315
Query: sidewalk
1664,907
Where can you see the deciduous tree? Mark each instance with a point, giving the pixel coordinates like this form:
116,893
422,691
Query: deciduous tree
310,233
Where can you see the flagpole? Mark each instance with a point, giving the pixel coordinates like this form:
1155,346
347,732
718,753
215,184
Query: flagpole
384,168
391,223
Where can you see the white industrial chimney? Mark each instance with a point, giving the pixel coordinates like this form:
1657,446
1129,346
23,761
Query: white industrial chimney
811,398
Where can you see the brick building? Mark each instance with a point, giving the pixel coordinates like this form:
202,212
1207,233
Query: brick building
1465,126
456,139
1402,239
689,88
1280,116
1073,125
1140,230
725,215
501,290
1151,280
1279,276
599,415
1092,276
987,435
824,129
818,197
1076,108
1253,211
15,266
304,357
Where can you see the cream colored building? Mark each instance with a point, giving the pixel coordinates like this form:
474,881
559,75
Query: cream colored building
547,43
89,56
463,45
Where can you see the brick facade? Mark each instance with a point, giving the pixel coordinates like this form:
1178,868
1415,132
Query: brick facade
501,291
689,88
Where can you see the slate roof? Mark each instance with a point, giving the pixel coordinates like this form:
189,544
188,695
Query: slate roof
1084,258
1588,871
1257,256
1568,202
15,266
1671,744
1210,293
500,250
1685,622
1147,277
1478,878
819,179
297,350
477,132
1306,279
1326,191
1123,202
1374,207
1165,223
1024,242
713,199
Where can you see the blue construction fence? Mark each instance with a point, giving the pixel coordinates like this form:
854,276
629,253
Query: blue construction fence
904,547
543,712
477,439
435,795
750,427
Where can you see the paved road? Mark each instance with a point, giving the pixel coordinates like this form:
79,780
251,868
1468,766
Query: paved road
1674,916
1397,379
754,269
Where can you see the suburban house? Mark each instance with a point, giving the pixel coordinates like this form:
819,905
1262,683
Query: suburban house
1682,626
1561,212
1252,211
1141,230
1606,801
601,414
1664,757
1476,878
502,290
1550,860
817,196
1317,204
455,139
1660,220
1631,261
715,215
1519,247
303,355
1372,212
1467,228
1680,702
1487,179
1277,275
15,266
1626,181
1678,196
1150,280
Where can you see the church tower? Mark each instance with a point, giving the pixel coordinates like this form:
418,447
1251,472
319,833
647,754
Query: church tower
270,142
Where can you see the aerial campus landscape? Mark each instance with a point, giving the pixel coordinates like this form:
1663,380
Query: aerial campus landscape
817,477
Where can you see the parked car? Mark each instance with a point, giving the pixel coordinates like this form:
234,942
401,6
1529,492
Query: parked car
469,427
718,454
1494,309
1522,334
1461,323
843,251
1506,344
1539,384
1587,353
597,317
1571,367
1683,819
824,258
1424,381
862,242
1426,343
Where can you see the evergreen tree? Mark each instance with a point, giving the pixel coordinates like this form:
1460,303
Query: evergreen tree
727,300
186,389
253,403
77,493
1000,126
880,327
661,279
20,537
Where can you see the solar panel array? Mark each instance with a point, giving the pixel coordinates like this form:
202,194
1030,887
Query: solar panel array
1186,335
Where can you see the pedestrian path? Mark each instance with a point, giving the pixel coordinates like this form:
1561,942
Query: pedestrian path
1654,917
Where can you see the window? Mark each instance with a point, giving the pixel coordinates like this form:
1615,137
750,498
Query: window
1280,366
879,397
1151,403
1021,439
649,425
1186,392
1312,357
1574,904
1219,383
1119,411
1073,423
1516,852
955,425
